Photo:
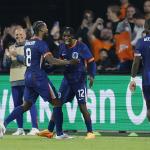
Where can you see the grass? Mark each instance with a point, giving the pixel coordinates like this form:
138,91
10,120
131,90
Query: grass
10,142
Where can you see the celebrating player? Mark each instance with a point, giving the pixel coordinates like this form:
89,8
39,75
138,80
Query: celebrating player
74,81
36,80
142,50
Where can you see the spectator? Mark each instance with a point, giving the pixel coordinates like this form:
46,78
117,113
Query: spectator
103,42
124,51
113,13
123,8
128,23
87,22
55,39
147,9
139,22
108,60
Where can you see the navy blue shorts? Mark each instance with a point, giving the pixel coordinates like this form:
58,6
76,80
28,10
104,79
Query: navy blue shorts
146,93
35,87
68,91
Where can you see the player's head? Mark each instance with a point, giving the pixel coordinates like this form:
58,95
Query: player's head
40,28
19,35
68,35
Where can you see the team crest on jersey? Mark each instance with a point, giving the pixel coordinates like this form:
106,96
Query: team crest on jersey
75,55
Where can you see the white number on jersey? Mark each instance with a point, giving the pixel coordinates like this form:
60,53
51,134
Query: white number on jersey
81,93
28,57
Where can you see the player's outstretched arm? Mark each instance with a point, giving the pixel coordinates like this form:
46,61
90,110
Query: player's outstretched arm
58,62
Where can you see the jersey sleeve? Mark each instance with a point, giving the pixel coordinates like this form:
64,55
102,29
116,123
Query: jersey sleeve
43,48
138,48
86,54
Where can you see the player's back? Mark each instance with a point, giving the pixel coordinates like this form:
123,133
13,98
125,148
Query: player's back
143,49
34,50
145,52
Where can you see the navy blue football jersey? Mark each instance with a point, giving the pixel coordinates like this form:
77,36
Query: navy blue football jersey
78,51
143,49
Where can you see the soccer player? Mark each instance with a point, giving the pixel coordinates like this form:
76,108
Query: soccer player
142,51
36,80
74,81
13,59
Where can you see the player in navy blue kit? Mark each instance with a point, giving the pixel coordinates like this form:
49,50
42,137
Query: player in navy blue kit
142,50
36,80
75,78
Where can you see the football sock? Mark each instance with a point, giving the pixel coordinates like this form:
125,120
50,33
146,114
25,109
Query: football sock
17,112
58,119
88,124
34,119
51,126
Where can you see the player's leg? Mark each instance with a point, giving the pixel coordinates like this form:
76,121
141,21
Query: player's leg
57,116
17,94
65,95
17,112
48,92
81,95
30,97
34,120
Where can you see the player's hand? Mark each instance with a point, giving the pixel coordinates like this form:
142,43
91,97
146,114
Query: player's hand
74,61
91,79
132,86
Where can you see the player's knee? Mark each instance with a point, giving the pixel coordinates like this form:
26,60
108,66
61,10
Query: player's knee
148,114
26,106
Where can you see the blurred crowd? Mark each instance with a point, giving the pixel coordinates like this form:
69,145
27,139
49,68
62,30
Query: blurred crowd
112,41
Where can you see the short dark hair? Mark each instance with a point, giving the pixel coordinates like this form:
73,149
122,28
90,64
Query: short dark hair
37,26
69,30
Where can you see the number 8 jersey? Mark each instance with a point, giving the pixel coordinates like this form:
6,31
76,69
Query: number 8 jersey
34,51
36,80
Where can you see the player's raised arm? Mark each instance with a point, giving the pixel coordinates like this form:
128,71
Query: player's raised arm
58,62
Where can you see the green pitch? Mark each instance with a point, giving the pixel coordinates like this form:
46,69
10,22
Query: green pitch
79,143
